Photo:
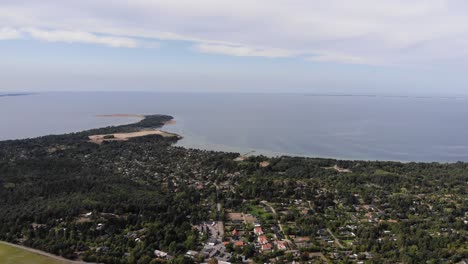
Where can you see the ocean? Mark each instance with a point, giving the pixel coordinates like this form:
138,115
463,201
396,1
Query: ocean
364,127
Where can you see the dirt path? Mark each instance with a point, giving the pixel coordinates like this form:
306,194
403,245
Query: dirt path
43,253
336,239
286,237
274,212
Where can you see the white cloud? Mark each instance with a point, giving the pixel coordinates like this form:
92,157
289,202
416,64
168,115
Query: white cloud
9,33
80,37
359,31
242,51
341,58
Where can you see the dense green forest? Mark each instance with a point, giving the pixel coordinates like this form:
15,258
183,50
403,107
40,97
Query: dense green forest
119,201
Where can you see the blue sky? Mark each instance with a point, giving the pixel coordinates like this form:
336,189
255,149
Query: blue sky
333,46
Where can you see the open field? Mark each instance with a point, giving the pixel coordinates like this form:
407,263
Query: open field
10,254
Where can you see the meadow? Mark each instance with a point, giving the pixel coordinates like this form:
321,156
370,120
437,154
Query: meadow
13,255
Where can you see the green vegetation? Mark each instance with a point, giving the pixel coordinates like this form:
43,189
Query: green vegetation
13,255
119,201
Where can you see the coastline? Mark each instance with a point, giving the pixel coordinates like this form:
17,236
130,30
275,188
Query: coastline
140,132
225,148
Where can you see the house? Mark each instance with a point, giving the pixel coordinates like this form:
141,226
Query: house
302,242
160,254
235,233
191,254
266,247
280,245
262,240
258,231
239,244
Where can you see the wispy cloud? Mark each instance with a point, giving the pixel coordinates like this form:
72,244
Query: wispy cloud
360,31
243,51
340,58
9,33
80,37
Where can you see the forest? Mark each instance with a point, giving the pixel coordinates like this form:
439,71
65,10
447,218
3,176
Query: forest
119,201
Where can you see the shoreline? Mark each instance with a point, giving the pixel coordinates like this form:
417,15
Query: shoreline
45,254
124,136
229,149
98,139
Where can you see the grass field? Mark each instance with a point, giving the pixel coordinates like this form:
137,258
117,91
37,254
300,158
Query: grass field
13,255
259,211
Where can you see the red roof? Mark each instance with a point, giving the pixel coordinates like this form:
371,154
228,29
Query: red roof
266,246
239,244
281,245
258,230
235,232
262,240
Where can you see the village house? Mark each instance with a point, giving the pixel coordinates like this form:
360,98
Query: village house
191,254
239,244
160,254
280,245
267,247
262,240
258,231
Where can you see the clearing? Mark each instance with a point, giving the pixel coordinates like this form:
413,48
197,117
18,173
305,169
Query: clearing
14,254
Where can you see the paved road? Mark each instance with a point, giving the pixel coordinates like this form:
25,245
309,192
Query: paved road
221,229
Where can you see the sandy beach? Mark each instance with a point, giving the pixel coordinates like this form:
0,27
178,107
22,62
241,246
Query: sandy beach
98,139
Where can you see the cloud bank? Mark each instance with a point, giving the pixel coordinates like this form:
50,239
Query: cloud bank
340,31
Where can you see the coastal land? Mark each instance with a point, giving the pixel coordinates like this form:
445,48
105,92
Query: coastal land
13,94
127,194
98,139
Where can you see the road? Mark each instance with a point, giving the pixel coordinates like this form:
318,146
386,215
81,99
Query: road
291,244
221,229
219,223
336,239
274,212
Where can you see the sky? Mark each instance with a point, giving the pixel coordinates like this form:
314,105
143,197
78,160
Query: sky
306,46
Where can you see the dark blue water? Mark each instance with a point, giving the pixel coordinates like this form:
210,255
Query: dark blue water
349,127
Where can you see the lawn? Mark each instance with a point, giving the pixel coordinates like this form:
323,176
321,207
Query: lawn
259,211
13,255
